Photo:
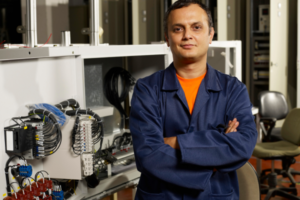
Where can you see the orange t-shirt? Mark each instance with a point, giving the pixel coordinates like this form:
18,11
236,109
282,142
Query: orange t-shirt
190,88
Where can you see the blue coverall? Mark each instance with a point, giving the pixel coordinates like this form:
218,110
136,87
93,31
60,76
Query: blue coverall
159,109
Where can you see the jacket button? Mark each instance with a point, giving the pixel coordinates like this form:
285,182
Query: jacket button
191,129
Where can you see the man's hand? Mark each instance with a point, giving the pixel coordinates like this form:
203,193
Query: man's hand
172,141
232,126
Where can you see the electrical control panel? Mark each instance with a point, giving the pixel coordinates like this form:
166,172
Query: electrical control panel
264,18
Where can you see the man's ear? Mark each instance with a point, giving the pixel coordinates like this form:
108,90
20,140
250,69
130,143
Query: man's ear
167,39
211,34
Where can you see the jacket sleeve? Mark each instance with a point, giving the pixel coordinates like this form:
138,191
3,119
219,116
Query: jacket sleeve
225,152
153,157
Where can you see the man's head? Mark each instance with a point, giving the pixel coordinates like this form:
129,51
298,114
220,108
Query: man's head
188,29
184,3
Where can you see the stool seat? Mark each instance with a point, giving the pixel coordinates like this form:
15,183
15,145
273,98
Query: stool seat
276,149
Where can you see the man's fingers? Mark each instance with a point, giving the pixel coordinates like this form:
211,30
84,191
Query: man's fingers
232,126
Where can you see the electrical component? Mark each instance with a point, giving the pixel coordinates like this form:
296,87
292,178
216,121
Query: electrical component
69,188
46,185
124,143
34,138
96,129
18,138
87,163
27,190
25,171
21,170
264,18
48,137
83,137
58,193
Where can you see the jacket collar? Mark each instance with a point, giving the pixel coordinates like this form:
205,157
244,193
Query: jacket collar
170,81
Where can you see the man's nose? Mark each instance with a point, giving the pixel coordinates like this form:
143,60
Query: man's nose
187,34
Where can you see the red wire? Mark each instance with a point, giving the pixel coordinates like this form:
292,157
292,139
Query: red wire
2,42
27,46
47,40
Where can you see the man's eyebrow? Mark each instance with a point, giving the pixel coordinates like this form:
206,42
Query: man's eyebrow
197,23
177,25
192,24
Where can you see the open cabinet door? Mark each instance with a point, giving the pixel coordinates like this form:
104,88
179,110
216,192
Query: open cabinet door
278,45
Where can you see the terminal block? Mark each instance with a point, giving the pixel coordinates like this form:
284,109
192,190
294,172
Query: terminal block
58,192
87,163
86,134
83,138
25,170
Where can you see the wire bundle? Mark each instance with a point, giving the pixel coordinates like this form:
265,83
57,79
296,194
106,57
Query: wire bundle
97,129
111,87
124,140
49,136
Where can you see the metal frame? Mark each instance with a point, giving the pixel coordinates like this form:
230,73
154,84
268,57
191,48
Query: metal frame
237,45
298,57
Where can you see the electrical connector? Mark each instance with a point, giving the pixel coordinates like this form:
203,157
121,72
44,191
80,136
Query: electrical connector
36,189
21,170
42,185
48,183
10,198
58,193
87,163
25,170
20,196
28,193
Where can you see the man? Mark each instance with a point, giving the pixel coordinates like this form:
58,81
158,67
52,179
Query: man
181,149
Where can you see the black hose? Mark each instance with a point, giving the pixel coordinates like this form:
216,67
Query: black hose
70,102
111,88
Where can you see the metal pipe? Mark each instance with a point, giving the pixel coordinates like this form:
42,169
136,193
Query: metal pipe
65,38
94,22
31,21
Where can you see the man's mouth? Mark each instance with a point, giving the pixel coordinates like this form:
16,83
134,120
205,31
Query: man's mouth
187,46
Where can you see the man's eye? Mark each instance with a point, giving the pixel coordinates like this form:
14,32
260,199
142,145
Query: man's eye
177,29
197,27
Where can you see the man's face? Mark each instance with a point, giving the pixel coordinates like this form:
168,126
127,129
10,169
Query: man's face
188,33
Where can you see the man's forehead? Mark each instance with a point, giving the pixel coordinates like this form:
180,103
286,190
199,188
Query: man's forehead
190,14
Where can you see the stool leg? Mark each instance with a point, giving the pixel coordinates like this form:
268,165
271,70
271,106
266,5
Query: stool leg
270,194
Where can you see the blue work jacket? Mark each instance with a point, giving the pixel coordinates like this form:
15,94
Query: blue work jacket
159,109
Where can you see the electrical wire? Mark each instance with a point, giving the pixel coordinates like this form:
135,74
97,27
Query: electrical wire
49,136
7,166
97,129
111,88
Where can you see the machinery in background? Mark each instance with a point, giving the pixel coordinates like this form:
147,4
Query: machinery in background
30,188
33,137
264,18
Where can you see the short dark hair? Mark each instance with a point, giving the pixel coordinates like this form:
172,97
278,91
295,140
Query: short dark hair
184,3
